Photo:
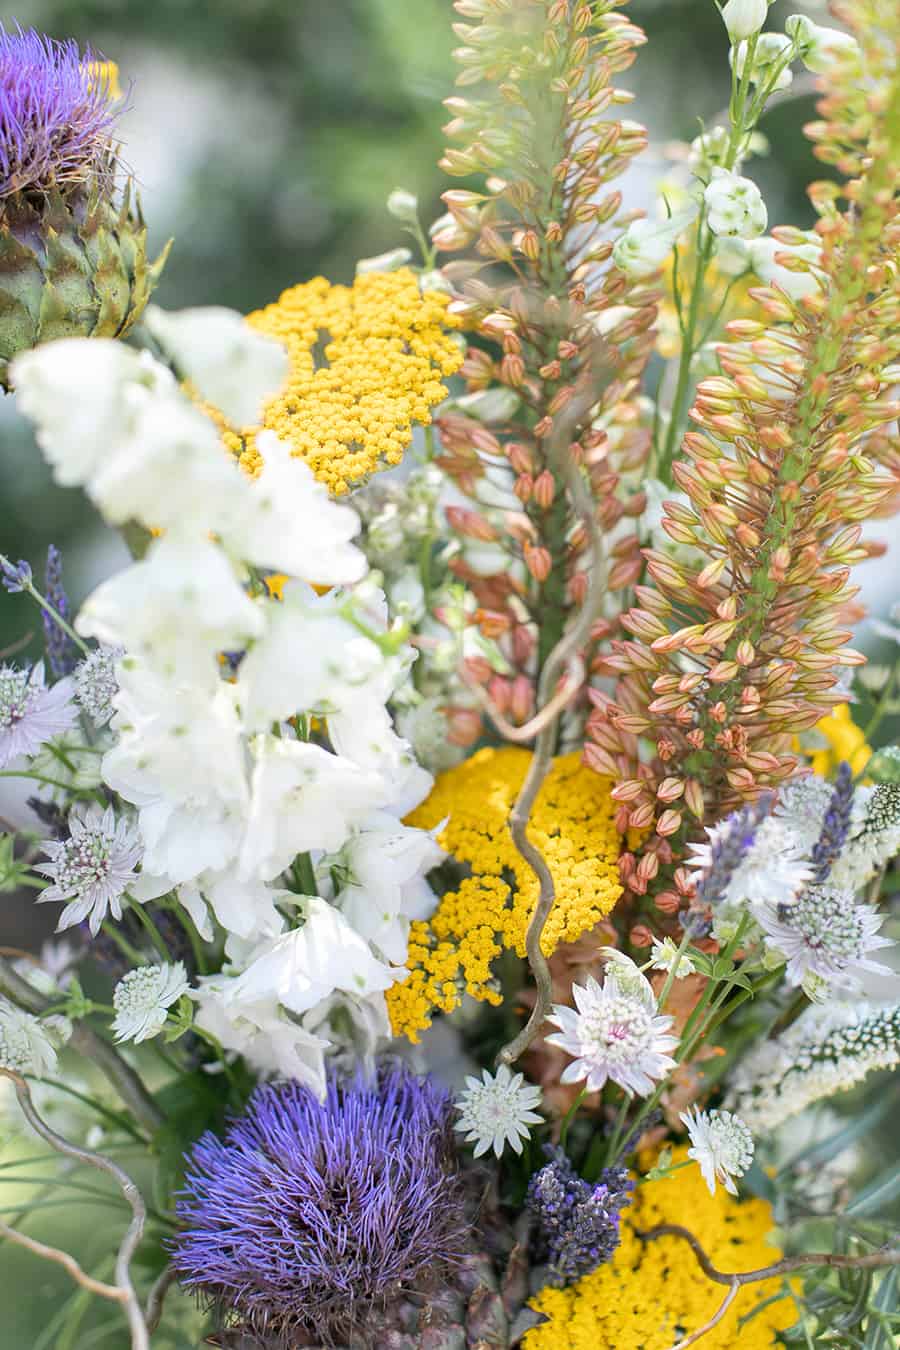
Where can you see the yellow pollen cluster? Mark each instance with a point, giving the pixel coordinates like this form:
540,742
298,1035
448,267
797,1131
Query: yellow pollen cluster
721,296
651,1295
573,826
365,363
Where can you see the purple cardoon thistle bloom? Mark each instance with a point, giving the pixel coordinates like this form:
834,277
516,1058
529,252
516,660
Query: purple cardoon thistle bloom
31,712
62,654
578,1222
308,1215
56,118
16,576
835,825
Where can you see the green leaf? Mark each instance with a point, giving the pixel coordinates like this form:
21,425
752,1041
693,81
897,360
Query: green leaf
878,1194
816,1155
878,1337
759,1183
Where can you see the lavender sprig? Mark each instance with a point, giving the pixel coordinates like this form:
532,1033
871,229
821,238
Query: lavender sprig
578,1221
727,852
16,577
62,654
835,825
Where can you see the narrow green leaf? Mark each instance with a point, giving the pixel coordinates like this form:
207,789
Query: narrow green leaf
885,1300
822,1152
878,1194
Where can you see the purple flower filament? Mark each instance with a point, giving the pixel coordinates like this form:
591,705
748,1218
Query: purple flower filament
55,119
309,1214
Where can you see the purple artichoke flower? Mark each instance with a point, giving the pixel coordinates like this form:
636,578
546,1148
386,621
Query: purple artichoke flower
309,1216
56,118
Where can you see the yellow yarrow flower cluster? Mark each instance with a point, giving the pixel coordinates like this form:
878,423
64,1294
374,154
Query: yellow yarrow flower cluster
651,1295
365,364
846,741
573,826
721,295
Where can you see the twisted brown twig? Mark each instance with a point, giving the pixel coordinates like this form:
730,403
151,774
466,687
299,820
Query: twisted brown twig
123,1290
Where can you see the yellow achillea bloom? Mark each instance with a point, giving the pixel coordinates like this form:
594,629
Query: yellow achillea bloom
366,362
105,74
573,826
845,741
652,1294
715,297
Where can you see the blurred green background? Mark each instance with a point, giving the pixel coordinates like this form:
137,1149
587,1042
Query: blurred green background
265,136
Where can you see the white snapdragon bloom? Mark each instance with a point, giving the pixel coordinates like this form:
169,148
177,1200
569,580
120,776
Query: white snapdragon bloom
231,365
355,1028
175,608
743,18
366,736
496,1110
385,865
85,396
795,284
616,1034
142,999
29,1044
819,47
248,909
721,1143
734,205
302,798
285,519
646,244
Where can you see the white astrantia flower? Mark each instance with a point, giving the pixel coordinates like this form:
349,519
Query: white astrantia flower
496,1110
142,999
802,804
819,47
85,396
826,1051
646,244
288,521
31,711
273,1043
174,609
305,965
96,684
232,366
92,868
774,869
763,253
722,1145
29,1044
664,956
383,868
825,936
616,1034
734,205
302,798
424,726
743,18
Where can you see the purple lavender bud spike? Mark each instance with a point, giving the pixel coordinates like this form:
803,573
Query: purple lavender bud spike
578,1221
16,576
835,825
62,654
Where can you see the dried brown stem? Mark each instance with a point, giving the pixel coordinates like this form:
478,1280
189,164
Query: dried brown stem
123,1291
570,645
86,1041
713,1321
110,1291
157,1297
568,690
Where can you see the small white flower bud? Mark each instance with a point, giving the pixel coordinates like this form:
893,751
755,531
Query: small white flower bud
403,205
743,18
646,244
735,205
770,49
817,47
795,284
384,262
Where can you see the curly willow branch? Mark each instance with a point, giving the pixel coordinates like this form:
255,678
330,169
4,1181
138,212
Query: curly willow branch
86,1041
123,1290
560,660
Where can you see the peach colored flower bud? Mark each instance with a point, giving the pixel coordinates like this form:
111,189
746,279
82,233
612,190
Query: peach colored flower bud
667,902
521,701
492,623
693,796
669,790
499,692
529,245
551,371
544,489
512,371
641,816
622,815
640,936
553,233
544,427
668,823
470,524
628,791
539,562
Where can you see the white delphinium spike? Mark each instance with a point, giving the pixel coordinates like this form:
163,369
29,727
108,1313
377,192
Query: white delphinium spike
826,1051
496,1110
743,18
92,868
722,1145
825,938
616,1033
734,205
143,997
29,1044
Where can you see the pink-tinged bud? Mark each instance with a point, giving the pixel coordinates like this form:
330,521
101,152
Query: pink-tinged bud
512,370
712,572
523,487
727,612
627,865
553,233
539,562
693,797
551,371
519,457
668,823
723,671
464,725
529,245
669,790
492,623
684,881
544,489
578,587
521,700
470,524
624,573
666,749
566,349
719,713
479,668
667,902
629,791
641,816
485,441
497,324
745,654
500,692
543,427
523,644
750,697
622,816
640,936
601,761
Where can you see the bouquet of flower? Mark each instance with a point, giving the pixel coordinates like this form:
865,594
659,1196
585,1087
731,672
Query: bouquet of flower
469,875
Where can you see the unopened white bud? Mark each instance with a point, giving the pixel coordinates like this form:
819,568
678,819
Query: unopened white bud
384,262
403,205
818,47
743,18
771,48
734,205
794,284
646,244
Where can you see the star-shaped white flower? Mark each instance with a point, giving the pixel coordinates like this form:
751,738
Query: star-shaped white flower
721,1143
497,1110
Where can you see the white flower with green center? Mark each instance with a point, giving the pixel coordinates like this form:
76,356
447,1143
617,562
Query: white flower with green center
29,1044
734,205
142,999
664,956
31,712
498,1110
825,936
616,1034
93,868
721,1143
96,685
